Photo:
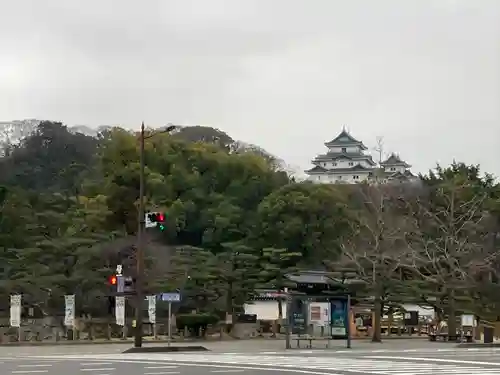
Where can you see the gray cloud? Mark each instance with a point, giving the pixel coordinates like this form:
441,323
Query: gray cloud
282,74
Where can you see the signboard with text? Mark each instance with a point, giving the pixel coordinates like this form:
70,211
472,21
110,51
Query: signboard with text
69,312
339,318
170,297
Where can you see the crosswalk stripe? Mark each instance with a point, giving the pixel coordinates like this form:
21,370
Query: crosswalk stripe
368,365
361,351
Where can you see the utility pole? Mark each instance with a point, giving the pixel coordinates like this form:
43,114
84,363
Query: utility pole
139,279
139,282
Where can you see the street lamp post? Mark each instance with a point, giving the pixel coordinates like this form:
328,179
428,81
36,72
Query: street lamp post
139,281
140,248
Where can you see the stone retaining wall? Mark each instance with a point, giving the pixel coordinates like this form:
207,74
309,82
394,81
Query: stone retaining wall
52,329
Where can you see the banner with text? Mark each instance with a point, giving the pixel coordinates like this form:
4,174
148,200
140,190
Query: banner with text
120,310
15,310
152,309
69,313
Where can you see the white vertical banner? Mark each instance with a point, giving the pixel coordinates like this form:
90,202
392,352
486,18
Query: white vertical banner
69,311
152,309
15,310
120,310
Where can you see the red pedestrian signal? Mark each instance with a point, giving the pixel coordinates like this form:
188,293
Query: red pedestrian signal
161,217
113,280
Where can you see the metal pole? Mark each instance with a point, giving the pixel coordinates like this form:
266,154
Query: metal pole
140,248
169,322
348,325
289,312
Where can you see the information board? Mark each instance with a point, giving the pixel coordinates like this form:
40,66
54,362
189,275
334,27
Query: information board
339,318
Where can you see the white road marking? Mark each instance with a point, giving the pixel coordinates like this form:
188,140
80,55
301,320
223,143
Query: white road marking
259,368
263,353
442,360
98,369
28,371
159,367
319,365
36,365
162,373
235,370
96,363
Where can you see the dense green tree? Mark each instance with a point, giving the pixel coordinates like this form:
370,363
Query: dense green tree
306,218
235,220
237,275
51,158
454,243
276,264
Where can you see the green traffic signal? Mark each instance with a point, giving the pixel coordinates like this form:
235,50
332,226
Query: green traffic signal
162,227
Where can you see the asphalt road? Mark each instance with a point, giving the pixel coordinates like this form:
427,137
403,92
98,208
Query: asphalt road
417,361
226,346
112,367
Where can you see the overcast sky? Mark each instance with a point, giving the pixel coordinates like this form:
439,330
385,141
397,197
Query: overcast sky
283,74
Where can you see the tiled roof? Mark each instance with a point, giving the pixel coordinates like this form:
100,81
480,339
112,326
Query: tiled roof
344,138
356,168
392,175
317,169
338,155
359,167
319,277
409,174
309,279
394,159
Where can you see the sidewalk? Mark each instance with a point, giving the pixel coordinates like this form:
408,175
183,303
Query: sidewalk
221,346
163,340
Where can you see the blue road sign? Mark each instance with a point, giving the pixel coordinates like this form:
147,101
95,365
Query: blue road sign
339,318
120,283
171,297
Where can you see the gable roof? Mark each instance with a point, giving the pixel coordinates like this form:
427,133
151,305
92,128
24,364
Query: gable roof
344,138
359,167
316,169
356,168
332,156
399,175
394,159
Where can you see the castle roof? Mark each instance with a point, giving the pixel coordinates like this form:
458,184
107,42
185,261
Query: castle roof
401,175
345,139
356,168
331,156
394,159
380,172
317,169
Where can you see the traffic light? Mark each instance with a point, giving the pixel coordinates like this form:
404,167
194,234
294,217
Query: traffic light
113,280
154,219
129,284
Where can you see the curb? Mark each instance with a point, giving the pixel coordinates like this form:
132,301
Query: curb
479,345
80,343
167,349
163,341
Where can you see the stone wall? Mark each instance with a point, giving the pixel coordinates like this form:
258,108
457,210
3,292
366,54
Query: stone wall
52,329
245,330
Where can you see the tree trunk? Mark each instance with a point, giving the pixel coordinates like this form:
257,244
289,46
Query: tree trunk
452,323
377,318
477,329
229,306
280,308
277,324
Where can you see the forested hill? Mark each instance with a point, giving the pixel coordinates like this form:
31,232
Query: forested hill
234,222
13,132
